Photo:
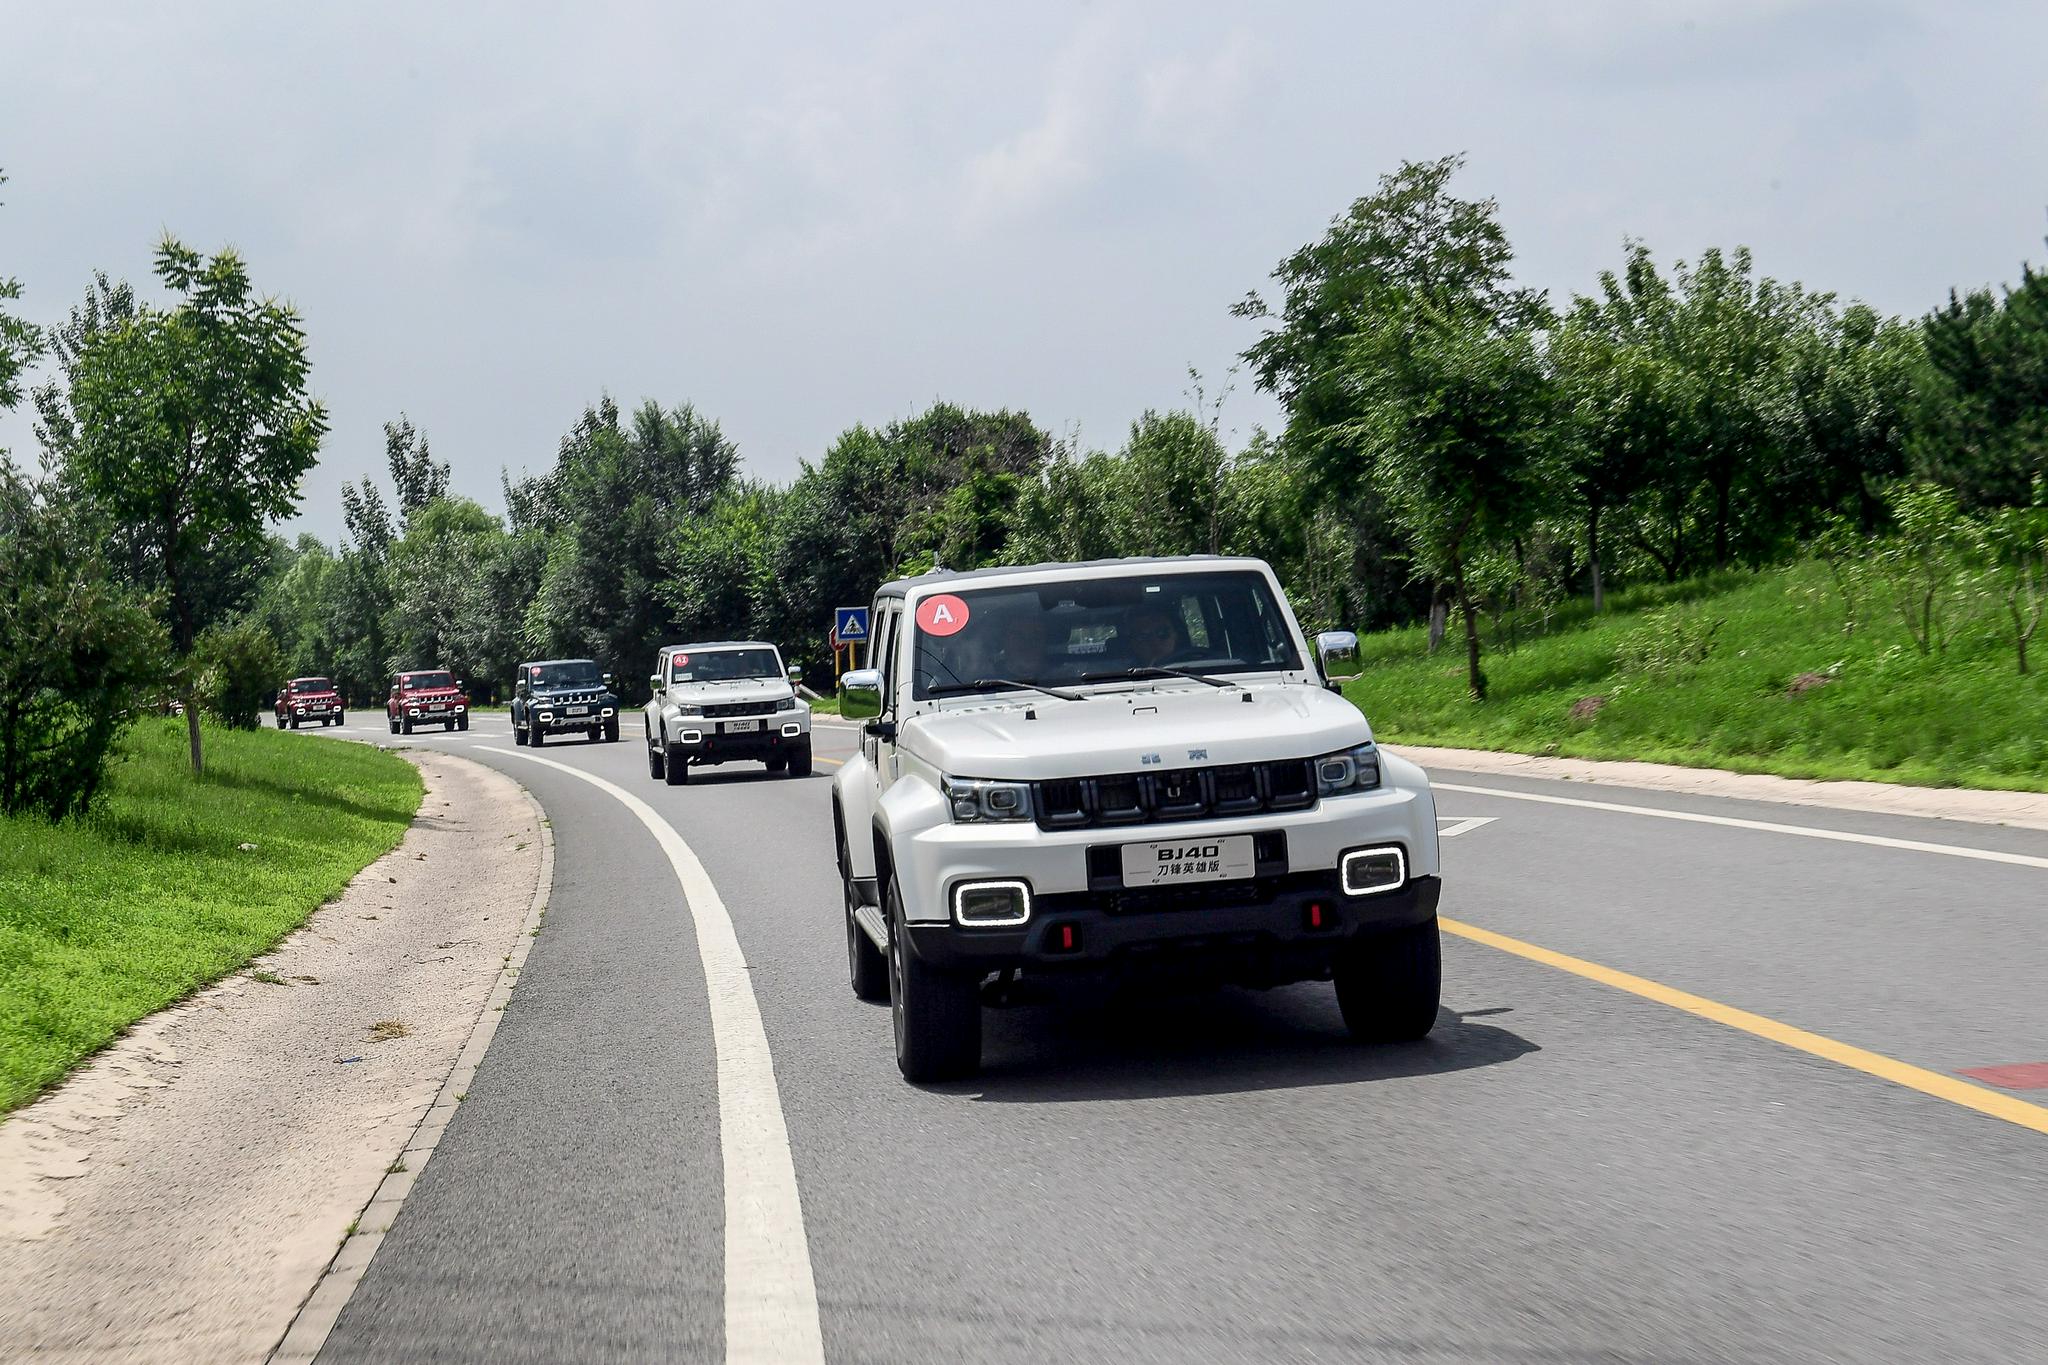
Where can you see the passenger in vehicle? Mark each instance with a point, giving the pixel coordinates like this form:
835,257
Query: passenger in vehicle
1151,637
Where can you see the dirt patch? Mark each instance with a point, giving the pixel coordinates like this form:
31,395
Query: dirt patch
1585,708
177,1198
1806,682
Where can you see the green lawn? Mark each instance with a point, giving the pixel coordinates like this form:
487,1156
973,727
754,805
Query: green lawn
106,919
1965,717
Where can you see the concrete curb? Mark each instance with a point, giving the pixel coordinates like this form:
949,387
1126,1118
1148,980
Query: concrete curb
330,1294
2019,810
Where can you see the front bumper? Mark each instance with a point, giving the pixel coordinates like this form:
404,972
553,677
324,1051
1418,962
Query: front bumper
555,716
707,741
1264,932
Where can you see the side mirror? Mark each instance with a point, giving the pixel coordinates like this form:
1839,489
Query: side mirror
607,679
461,686
796,674
1337,650
860,693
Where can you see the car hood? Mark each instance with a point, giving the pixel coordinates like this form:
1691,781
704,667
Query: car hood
431,694
572,690
314,696
1172,727
725,693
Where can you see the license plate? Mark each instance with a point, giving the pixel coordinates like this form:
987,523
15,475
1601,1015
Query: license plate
576,710
436,706
733,727
1189,860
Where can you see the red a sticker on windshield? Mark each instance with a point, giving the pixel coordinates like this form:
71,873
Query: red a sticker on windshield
681,660
941,615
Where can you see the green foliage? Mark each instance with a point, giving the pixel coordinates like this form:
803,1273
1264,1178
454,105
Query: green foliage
1923,565
154,894
187,430
414,472
21,342
239,668
1981,416
2011,543
79,653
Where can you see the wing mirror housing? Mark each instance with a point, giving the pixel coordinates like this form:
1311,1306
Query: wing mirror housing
796,674
654,682
860,693
607,678
1337,651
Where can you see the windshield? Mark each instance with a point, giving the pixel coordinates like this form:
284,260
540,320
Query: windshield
312,685
419,682
569,673
724,665
1075,631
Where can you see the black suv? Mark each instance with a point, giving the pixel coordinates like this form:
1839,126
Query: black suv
552,696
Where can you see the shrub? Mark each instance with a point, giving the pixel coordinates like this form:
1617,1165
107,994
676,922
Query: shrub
1670,645
239,667
79,653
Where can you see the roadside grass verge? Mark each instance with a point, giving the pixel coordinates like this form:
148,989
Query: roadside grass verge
106,919
1885,713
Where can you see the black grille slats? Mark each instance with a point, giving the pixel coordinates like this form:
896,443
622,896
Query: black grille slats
723,709
1174,794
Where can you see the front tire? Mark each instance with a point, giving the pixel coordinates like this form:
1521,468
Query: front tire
1388,984
937,1013
676,767
393,724
405,727
462,722
800,759
655,765
867,967
611,731
535,736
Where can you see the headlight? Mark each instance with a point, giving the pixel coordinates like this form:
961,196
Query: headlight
786,704
974,800
1348,770
689,709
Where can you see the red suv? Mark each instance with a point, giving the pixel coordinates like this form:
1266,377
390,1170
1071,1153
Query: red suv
427,698
307,699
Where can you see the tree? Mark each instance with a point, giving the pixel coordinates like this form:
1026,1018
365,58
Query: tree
21,342
1411,240
1455,418
418,478
2012,544
1981,419
79,651
189,429
238,666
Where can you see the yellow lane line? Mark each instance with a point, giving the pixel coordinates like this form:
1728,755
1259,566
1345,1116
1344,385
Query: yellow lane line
835,762
1959,1092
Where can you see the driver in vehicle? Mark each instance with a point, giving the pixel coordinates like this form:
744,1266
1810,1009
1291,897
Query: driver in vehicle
1154,637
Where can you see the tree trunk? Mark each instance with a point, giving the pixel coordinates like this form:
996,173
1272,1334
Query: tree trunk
192,729
1475,677
1439,616
1593,557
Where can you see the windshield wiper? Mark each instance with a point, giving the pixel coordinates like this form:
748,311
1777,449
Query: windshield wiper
997,685
1157,671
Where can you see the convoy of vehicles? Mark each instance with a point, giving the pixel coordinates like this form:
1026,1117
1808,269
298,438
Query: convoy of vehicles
1124,767
303,701
426,697
721,701
563,696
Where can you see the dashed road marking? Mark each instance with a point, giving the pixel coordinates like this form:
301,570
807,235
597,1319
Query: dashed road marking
771,1299
1451,826
1986,855
2016,1111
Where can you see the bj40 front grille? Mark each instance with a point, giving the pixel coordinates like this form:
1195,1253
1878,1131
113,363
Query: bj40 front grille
725,709
1174,794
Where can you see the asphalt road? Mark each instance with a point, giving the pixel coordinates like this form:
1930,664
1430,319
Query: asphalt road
1564,1171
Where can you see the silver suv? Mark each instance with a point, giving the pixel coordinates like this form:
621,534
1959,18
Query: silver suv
1121,767
724,700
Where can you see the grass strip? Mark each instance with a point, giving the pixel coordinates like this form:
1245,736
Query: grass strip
106,919
1785,689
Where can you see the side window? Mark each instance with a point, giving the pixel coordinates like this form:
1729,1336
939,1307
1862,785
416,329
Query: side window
885,651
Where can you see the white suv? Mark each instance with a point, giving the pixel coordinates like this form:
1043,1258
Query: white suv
1124,766
724,700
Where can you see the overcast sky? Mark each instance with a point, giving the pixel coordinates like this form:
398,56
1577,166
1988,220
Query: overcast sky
801,217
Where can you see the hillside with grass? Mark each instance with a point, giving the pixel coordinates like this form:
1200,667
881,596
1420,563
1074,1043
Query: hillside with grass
1754,672
172,881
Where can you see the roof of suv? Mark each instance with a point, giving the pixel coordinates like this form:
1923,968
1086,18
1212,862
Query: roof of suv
899,587
543,663
716,644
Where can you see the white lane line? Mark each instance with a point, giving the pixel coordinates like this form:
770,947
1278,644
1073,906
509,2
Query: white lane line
771,1301
1450,826
1840,836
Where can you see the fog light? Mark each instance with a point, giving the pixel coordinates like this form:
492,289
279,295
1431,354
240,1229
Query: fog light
1367,871
692,736
607,711
991,904
792,730
547,718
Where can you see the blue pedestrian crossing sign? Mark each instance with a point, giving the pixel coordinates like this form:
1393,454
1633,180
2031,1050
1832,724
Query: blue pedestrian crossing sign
850,624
